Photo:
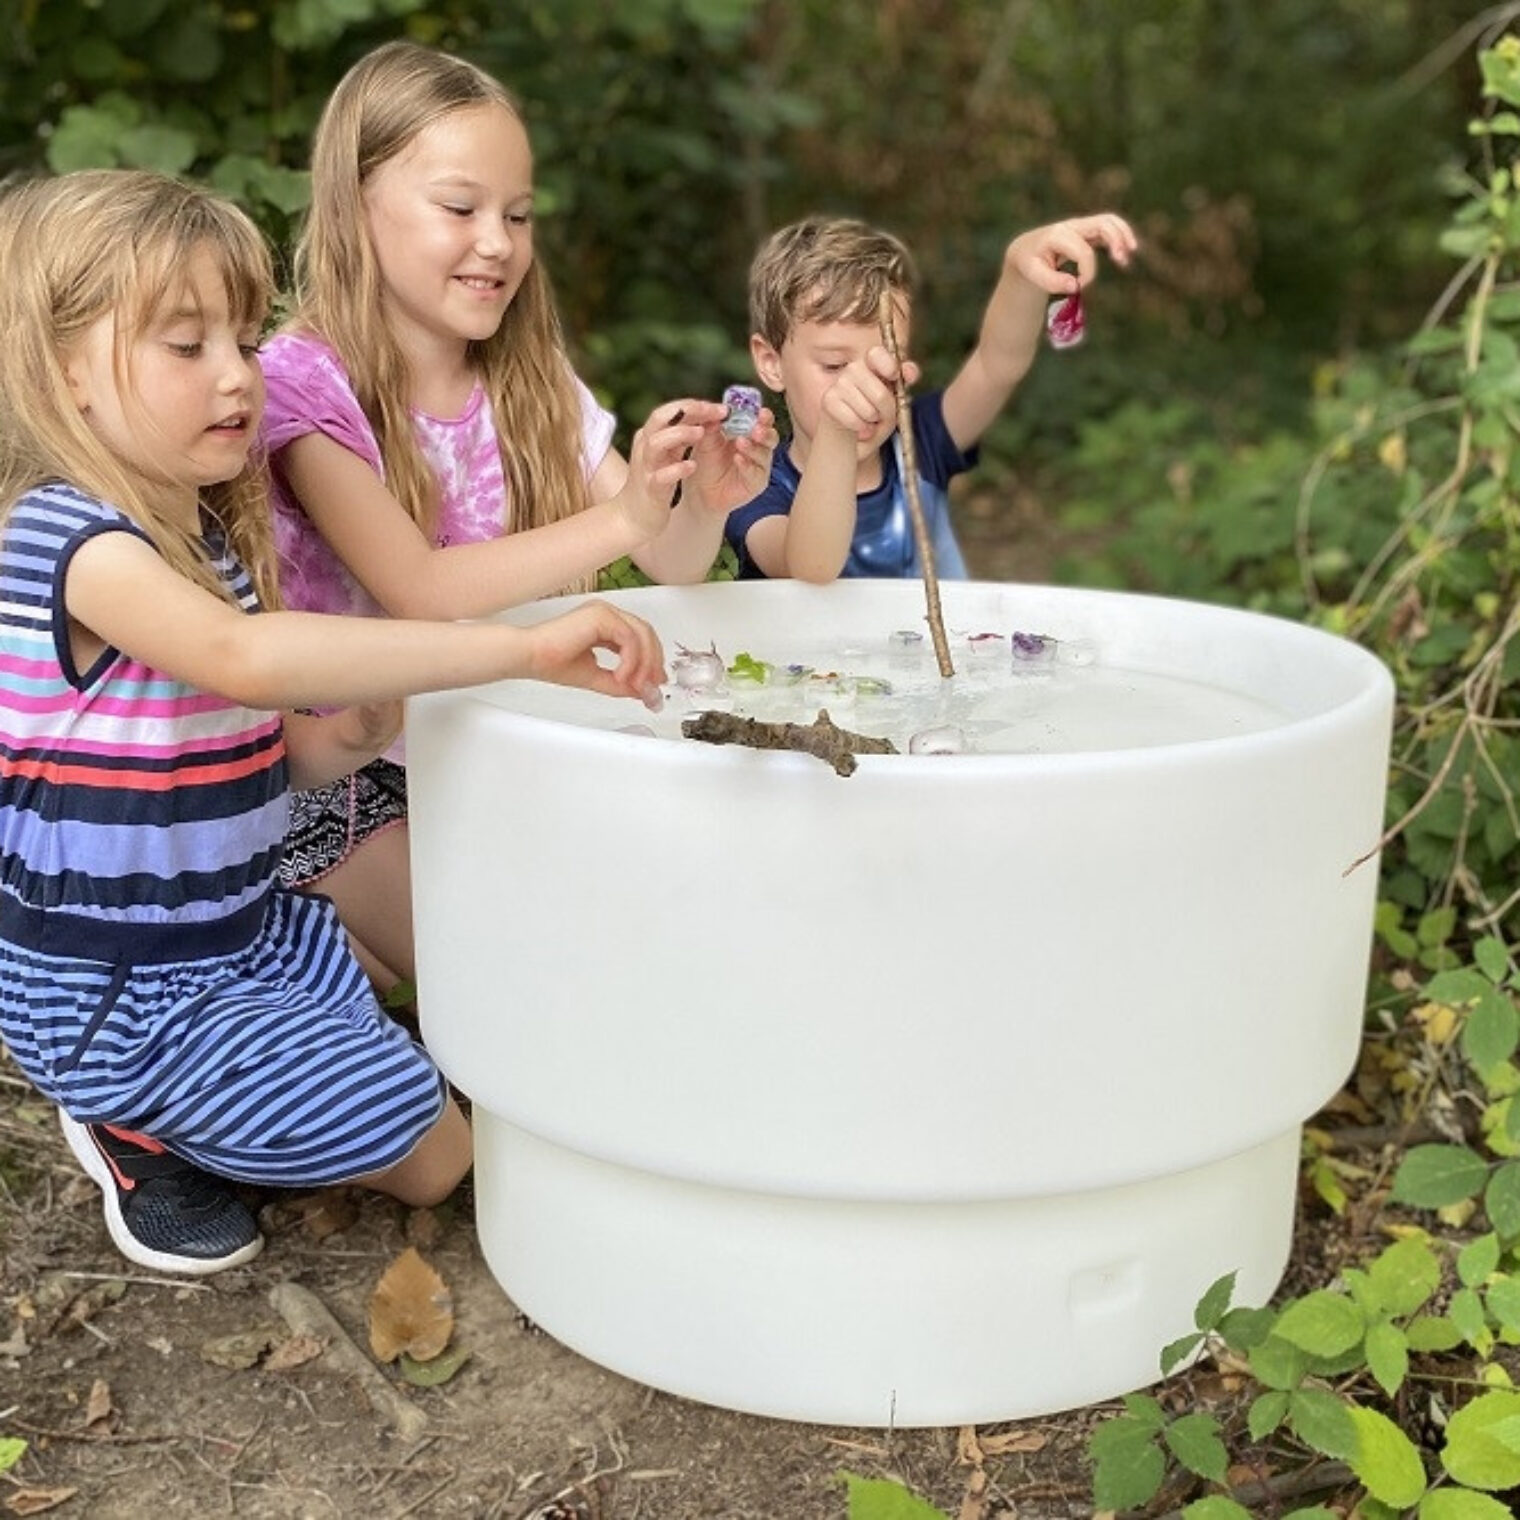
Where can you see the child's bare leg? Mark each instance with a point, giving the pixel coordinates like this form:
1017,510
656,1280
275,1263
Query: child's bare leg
372,891
435,1167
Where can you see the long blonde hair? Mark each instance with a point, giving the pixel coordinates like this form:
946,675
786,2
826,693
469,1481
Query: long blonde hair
375,113
116,243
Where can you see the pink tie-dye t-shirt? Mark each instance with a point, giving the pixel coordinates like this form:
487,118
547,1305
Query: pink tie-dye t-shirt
309,392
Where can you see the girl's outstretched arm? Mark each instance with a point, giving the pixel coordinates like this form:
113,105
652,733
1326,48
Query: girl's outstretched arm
370,531
120,592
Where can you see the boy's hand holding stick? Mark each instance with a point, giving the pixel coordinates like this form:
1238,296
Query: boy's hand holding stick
915,506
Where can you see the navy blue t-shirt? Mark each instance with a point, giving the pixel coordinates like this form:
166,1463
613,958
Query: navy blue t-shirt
938,461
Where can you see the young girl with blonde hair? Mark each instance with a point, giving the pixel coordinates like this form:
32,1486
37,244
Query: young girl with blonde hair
433,452
193,1021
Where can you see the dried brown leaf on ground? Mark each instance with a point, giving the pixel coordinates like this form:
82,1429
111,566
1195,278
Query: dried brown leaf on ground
99,1412
294,1351
412,1311
329,1212
241,1351
37,1501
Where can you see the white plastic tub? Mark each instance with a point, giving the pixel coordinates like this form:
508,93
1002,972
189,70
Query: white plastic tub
933,1095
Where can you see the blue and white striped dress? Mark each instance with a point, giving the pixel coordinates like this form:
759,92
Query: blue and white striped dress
151,974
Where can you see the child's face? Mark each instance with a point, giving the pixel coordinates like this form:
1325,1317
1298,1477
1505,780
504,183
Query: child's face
182,409
450,219
809,361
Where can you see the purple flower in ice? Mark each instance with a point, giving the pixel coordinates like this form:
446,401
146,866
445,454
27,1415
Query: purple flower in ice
743,403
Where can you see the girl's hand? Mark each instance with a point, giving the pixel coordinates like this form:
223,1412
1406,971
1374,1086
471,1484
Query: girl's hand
1039,256
563,650
731,471
660,459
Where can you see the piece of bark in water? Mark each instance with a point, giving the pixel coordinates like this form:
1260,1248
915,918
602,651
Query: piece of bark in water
822,737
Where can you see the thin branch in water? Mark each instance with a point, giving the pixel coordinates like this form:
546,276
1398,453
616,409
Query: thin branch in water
915,506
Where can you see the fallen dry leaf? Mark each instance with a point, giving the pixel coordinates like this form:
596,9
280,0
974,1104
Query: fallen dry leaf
241,1351
89,1303
412,1311
1014,1440
36,1501
294,1352
329,1212
974,1501
99,1411
968,1449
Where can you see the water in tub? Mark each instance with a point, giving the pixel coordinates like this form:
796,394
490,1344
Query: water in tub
1013,692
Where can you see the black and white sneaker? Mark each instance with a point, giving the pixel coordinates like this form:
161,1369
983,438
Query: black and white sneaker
162,1212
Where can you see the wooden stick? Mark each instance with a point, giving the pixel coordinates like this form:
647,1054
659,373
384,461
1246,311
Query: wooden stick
915,506
822,737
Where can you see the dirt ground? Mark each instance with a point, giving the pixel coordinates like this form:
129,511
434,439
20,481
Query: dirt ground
128,1390
143,1397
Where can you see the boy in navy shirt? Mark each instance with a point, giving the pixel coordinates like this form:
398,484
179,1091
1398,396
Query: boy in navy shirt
836,503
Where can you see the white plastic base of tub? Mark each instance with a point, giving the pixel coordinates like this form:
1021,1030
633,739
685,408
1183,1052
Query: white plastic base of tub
891,1314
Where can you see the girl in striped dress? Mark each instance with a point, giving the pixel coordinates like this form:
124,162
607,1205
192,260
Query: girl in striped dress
195,1023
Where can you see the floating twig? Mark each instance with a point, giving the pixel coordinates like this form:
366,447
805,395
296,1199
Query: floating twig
915,505
822,737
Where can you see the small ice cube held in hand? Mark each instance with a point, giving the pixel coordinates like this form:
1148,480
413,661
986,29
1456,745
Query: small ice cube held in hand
1065,326
947,740
743,403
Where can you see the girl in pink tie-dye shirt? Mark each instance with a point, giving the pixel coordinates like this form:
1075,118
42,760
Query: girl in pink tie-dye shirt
433,453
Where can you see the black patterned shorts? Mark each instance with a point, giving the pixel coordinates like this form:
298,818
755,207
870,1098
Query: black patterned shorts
328,823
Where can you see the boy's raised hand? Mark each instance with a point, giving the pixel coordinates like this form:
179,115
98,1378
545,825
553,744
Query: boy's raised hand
863,396
1041,254
563,650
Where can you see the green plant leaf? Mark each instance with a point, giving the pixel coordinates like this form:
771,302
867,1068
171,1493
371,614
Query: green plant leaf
1501,1201
1323,1421
1267,1412
1434,1176
1174,1353
1216,1507
1322,1323
1502,1298
1466,1312
1403,1278
1278,1363
1492,1030
1472,1454
1462,1504
1477,1259
1194,1440
1388,1356
1492,958
1212,1306
1241,1329
1145,1411
1432,1332
883,1499
1386,1460
12,1449
1129,1476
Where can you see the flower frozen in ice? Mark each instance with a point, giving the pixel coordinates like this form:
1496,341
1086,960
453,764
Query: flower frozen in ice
1064,324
